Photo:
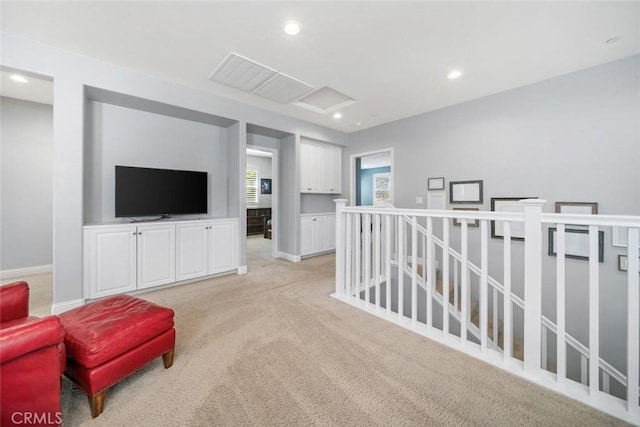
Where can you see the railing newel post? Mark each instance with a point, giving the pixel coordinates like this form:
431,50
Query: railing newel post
532,284
340,249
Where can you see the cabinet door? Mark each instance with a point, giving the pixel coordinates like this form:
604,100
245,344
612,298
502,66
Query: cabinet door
306,235
223,246
111,260
156,255
192,250
330,232
318,234
334,170
310,168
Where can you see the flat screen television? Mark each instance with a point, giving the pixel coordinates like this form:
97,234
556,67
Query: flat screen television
150,192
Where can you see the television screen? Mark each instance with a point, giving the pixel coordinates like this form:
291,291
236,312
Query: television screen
147,191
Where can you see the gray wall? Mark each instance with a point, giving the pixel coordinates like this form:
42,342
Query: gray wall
571,138
128,137
72,74
263,164
26,210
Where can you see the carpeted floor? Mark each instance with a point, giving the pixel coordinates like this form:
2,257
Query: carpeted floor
272,348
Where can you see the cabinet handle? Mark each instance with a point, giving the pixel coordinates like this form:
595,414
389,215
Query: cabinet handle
134,233
139,233
315,219
309,188
331,189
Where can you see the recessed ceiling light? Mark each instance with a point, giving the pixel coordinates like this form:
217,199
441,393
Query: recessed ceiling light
18,78
292,28
454,74
614,40
337,115
358,124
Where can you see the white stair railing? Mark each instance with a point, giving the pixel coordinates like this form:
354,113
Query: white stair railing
371,241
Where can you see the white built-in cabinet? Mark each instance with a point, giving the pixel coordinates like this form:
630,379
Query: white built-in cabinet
205,248
317,233
124,258
320,168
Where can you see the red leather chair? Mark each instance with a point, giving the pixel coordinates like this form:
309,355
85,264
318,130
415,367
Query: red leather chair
32,359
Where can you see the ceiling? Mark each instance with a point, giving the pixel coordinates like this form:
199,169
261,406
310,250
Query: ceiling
392,57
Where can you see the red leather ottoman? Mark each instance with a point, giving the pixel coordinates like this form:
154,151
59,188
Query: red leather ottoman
110,339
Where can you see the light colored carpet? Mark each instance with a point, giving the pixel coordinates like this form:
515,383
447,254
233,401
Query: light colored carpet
272,348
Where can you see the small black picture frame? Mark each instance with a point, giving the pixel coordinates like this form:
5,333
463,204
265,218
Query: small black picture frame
435,183
465,192
265,186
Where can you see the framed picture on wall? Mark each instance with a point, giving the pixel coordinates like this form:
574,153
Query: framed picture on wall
585,208
469,192
265,186
470,222
576,244
435,183
507,204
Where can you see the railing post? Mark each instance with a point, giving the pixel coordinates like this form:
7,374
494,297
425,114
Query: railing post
340,250
532,283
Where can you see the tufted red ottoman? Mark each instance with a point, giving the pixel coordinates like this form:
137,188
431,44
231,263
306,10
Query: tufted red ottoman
110,339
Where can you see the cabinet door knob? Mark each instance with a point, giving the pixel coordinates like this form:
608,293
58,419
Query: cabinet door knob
139,233
134,233
309,188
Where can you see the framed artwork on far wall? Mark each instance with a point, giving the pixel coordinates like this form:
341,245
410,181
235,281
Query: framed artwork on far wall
265,186
435,183
508,204
471,222
576,244
465,192
586,208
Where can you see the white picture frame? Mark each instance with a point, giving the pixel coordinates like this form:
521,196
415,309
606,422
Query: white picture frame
619,237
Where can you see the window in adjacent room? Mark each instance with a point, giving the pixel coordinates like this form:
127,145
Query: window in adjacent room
251,180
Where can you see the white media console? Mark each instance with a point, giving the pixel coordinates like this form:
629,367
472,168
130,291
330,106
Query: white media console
124,257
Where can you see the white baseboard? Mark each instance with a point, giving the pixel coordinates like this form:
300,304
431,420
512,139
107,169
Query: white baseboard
289,257
242,269
66,306
27,271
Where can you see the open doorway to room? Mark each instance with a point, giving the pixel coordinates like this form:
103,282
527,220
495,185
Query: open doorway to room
26,185
372,178
261,201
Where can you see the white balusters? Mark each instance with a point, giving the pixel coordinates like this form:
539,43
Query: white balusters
401,264
367,259
340,250
506,283
429,272
594,311
495,318
633,322
561,360
358,256
445,277
387,222
414,271
484,273
348,273
376,258
464,309
456,283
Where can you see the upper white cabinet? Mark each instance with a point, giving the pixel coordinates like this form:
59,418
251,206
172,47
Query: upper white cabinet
124,258
320,168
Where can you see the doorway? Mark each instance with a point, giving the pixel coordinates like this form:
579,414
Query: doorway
372,178
261,176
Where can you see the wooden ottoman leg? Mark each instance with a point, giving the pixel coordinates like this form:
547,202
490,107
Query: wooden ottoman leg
97,403
167,359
